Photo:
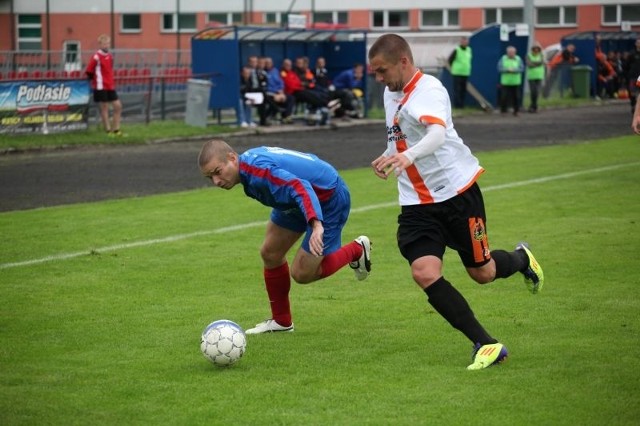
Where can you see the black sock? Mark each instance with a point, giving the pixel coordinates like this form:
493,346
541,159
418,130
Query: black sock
508,263
454,308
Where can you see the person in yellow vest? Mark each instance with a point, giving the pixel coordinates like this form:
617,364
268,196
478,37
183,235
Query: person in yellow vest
535,74
460,63
510,67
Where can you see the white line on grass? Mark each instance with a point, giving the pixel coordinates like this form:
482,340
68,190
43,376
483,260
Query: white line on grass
64,256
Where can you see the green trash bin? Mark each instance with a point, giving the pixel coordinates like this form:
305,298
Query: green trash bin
581,78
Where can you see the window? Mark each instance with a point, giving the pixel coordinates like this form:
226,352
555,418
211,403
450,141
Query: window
130,23
71,55
616,14
511,15
630,12
185,21
440,18
218,18
556,16
330,17
272,18
29,32
236,18
390,19
228,18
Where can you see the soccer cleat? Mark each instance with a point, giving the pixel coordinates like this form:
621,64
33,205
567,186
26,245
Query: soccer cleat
533,275
116,134
487,355
268,326
362,266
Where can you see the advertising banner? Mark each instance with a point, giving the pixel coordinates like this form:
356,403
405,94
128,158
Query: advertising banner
44,106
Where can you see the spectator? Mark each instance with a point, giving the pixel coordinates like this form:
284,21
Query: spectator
277,100
321,75
510,67
349,89
559,69
100,72
565,57
256,85
535,74
460,63
605,77
323,83
303,91
251,95
615,60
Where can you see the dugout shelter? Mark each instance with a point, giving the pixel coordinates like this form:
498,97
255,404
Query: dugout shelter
609,41
222,51
488,44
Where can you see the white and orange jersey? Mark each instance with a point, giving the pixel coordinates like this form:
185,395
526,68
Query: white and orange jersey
449,170
638,82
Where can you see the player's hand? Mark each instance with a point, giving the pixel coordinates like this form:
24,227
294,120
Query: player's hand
316,244
375,166
384,166
635,124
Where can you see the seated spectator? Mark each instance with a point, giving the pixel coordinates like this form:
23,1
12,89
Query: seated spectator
321,75
605,77
323,83
615,59
304,92
349,90
277,100
251,95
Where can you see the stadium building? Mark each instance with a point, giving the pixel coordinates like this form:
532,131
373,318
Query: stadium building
72,26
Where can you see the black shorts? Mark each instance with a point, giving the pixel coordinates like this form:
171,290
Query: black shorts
105,95
458,223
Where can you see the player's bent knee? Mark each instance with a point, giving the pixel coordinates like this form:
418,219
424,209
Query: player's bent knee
481,276
303,277
424,277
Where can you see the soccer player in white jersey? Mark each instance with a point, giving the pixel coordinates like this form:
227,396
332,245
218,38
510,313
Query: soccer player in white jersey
441,203
635,122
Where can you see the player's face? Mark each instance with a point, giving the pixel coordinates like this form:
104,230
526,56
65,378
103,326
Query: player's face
105,43
389,74
223,173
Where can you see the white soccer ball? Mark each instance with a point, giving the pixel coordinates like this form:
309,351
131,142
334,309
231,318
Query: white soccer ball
223,342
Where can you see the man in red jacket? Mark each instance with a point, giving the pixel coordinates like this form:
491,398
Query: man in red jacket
100,72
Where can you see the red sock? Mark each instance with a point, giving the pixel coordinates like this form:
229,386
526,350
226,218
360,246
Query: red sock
278,283
336,260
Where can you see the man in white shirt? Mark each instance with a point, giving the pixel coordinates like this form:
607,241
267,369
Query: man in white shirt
441,203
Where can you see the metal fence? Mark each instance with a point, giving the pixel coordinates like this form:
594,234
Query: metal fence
151,83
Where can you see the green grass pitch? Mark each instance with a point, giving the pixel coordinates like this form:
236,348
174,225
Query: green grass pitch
102,306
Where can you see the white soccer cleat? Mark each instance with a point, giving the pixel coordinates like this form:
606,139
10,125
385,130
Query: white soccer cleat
268,326
362,266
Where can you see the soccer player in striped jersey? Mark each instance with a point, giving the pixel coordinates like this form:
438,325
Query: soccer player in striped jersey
441,203
308,197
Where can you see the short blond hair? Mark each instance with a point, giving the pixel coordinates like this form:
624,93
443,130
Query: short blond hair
215,148
103,38
392,47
